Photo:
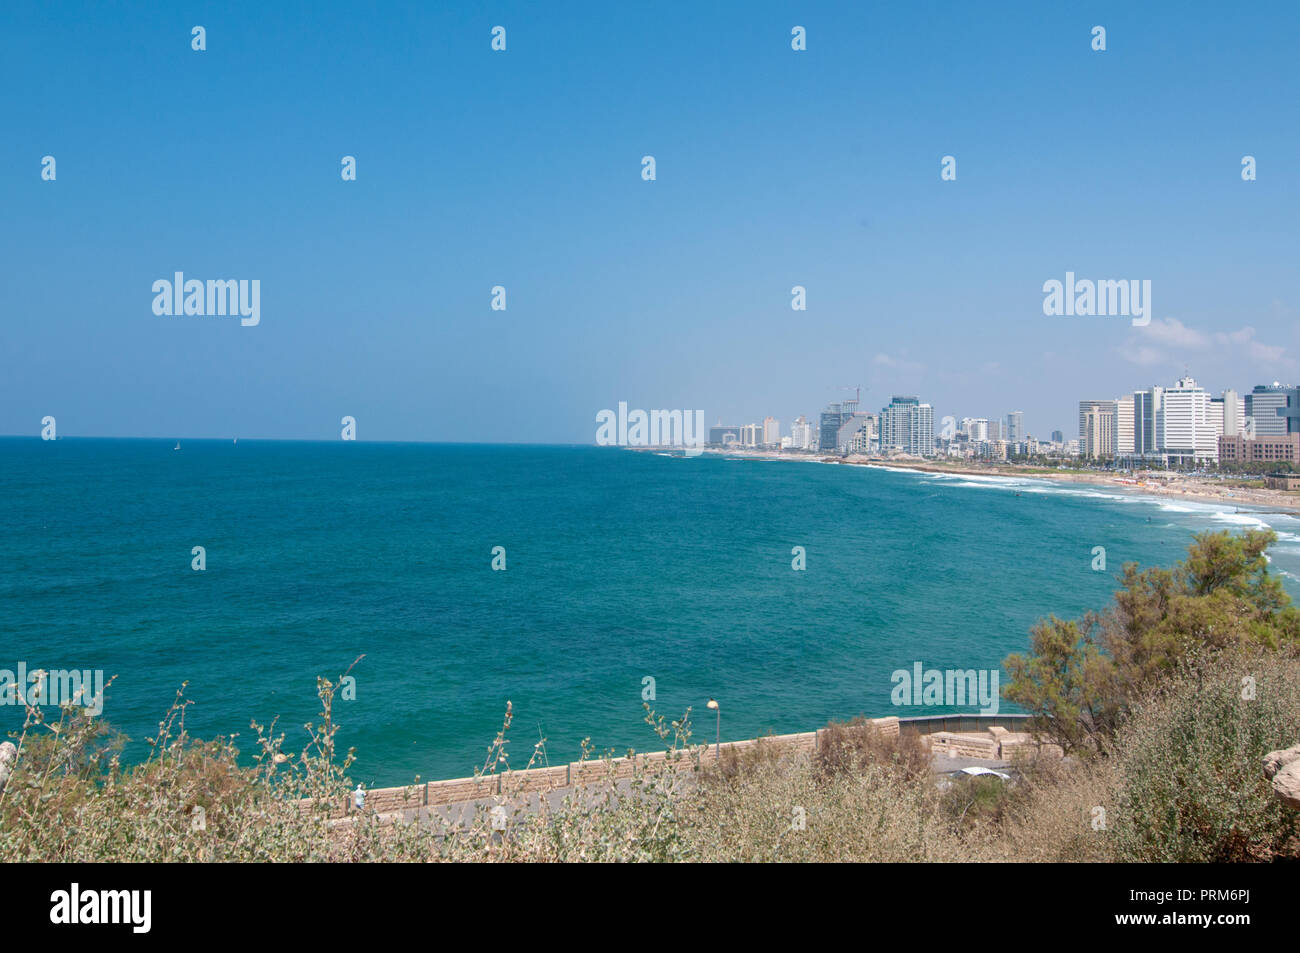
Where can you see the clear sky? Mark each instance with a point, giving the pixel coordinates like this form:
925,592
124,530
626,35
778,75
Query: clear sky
522,168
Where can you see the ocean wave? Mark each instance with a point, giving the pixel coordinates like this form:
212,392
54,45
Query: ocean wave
1240,519
1213,510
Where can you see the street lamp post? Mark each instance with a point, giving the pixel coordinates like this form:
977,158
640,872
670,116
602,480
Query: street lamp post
717,744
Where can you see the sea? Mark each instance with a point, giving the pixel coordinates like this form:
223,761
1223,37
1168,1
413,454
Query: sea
622,579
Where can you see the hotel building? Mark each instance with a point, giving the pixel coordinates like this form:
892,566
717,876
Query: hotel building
1283,448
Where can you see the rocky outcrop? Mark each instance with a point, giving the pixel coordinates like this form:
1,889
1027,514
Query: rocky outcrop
1283,769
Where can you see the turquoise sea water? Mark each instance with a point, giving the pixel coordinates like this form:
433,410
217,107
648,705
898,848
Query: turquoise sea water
620,565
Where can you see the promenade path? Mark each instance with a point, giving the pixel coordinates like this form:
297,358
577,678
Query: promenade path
461,814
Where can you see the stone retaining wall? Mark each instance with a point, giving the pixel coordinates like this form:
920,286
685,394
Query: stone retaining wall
995,743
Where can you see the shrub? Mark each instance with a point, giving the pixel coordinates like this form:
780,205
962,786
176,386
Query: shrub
853,745
1190,765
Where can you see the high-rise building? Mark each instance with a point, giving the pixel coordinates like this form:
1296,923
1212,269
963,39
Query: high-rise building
801,434
1185,429
831,419
1124,426
721,436
1097,436
1215,417
895,422
1146,407
1097,428
1234,413
995,430
976,429
921,440
1267,403
855,434
1015,426
751,435
907,425
1291,411
771,431
1238,415
1058,436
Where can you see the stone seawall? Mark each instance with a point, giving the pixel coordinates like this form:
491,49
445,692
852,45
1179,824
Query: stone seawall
974,736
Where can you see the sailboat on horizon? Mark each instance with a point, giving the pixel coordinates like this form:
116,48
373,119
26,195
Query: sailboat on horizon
178,445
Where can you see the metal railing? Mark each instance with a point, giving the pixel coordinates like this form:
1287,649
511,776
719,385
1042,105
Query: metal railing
929,724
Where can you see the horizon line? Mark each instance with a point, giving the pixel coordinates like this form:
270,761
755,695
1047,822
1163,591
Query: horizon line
460,443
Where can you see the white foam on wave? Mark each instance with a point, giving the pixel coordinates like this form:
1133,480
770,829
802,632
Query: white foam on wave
980,479
1051,488
1218,511
925,473
1046,486
1240,519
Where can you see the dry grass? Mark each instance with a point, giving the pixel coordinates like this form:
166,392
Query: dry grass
1181,782
849,747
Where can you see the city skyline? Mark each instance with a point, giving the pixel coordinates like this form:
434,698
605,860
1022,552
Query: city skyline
762,420
1003,420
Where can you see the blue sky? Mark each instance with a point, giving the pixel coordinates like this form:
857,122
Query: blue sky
522,169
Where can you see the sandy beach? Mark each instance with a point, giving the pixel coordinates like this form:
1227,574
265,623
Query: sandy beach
1155,483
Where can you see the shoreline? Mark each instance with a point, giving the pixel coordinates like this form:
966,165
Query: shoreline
1158,483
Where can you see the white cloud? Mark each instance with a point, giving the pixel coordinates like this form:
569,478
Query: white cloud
1255,350
1145,356
1173,333
1166,342
897,363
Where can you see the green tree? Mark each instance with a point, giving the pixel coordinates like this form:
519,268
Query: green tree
1079,678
